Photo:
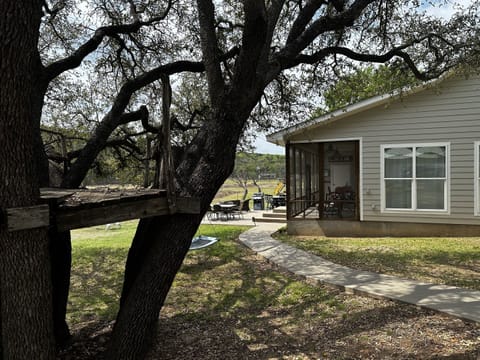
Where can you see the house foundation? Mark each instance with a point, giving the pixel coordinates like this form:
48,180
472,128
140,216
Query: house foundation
347,228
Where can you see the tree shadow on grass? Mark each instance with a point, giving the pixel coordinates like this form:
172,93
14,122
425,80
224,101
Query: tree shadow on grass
266,314
230,304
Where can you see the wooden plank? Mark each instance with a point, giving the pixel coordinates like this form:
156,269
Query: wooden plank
78,218
30,217
54,193
72,218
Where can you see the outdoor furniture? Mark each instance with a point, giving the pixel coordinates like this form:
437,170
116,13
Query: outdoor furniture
217,212
340,203
278,200
212,213
227,210
245,206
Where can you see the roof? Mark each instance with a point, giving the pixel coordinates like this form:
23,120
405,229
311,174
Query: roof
282,136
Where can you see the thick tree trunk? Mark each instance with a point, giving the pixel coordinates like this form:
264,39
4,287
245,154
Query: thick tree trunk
60,248
27,331
164,244
161,243
26,298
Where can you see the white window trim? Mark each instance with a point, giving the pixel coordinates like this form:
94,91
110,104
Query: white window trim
476,178
386,210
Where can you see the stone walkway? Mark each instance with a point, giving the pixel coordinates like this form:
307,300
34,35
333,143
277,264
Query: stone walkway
458,302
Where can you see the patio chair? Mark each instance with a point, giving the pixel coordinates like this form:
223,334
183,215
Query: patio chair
217,212
245,205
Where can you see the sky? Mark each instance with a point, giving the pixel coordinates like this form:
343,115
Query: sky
441,8
262,146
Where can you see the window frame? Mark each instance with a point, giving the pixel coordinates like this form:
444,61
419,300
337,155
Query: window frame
476,178
414,179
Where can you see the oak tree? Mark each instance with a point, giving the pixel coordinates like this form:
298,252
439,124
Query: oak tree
103,66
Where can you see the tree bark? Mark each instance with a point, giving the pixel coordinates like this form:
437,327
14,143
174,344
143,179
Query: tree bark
27,331
152,266
161,243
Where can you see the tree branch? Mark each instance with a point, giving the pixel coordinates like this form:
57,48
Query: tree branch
378,58
253,41
110,143
140,114
323,24
304,17
273,14
75,59
211,58
114,117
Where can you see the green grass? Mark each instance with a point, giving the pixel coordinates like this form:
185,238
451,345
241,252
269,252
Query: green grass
212,281
98,260
223,280
230,190
453,261
226,302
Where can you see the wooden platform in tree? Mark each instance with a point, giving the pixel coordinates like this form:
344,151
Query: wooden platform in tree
72,209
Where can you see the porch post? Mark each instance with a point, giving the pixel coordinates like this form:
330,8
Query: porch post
287,180
321,179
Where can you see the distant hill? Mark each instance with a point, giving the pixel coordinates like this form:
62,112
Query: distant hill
259,166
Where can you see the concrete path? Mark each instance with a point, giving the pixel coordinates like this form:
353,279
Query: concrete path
458,302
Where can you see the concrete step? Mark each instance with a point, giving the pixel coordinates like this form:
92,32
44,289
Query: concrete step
280,210
269,220
275,215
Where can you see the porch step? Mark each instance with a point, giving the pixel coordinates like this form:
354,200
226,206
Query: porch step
280,210
269,220
274,215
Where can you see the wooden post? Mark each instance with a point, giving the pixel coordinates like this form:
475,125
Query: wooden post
321,179
166,168
287,180
146,177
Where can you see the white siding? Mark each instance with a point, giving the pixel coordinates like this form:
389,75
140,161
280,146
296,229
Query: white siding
449,112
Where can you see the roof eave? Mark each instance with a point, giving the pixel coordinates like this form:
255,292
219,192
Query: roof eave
281,137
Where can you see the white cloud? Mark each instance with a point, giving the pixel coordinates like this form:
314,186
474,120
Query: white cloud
445,9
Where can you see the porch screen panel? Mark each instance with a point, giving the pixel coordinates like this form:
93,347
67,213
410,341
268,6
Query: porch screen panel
298,179
291,175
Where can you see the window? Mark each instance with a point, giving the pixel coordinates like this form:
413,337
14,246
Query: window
415,177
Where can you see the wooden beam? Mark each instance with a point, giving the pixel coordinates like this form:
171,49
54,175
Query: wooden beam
72,218
30,217
94,213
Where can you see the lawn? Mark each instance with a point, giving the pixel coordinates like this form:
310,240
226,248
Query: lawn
231,190
228,303
98,261
452,261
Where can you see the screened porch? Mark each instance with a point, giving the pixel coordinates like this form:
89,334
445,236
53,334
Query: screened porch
322,180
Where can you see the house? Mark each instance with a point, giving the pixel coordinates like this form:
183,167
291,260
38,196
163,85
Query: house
402,164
